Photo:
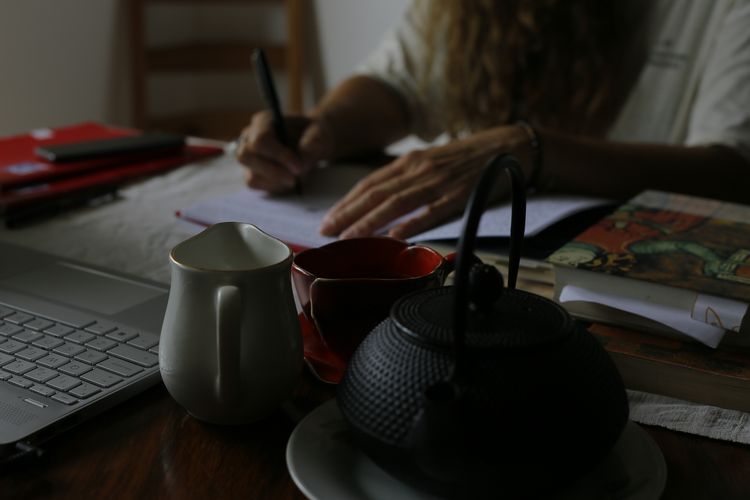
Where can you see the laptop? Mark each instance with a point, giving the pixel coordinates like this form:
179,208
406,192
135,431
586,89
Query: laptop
75,340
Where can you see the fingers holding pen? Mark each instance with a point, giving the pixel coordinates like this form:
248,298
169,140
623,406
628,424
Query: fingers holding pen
315,143
269,176
260,138
274,167
265,157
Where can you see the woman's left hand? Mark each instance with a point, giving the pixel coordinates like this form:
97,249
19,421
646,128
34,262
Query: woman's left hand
439,179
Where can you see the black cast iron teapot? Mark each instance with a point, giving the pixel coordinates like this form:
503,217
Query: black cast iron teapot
482,390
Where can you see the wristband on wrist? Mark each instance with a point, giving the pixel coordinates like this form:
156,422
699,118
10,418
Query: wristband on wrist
536,154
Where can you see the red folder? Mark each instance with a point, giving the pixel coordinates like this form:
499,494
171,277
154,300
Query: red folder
19,165
30,184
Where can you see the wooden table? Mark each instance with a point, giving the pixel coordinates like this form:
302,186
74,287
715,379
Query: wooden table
149,447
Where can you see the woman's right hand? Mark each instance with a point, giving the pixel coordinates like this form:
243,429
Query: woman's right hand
273,167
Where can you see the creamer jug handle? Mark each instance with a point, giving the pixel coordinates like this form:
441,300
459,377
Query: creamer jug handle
228,339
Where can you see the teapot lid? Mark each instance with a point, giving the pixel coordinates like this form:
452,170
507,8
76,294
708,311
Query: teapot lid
516,320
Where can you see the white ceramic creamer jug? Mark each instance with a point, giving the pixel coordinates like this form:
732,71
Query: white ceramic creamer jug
231,347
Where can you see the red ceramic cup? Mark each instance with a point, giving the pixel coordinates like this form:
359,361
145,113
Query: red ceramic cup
347,287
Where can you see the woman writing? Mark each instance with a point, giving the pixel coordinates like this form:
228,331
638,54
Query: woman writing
603,98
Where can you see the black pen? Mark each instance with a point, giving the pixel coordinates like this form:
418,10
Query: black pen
268,91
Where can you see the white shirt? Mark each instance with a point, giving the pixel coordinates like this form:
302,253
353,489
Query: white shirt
693,89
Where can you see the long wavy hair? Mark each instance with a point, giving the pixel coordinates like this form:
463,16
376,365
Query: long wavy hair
556,63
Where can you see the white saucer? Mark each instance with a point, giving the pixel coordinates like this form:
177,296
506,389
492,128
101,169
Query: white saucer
325,464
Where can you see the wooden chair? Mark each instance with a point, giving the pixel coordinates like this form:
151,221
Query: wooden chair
219,56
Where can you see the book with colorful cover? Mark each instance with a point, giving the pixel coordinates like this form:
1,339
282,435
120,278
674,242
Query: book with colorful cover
679,369
688,256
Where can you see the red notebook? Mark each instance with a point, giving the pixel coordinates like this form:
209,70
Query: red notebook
29,183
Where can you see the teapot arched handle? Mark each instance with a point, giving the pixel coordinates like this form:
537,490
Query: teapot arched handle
467,242
436,440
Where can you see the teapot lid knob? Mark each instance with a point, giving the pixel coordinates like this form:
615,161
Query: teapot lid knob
486,285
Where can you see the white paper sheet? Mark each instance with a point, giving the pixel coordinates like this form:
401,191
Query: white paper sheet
296,219
670,314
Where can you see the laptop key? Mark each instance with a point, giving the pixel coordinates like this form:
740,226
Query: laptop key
41,374
9,329
21,382
38,324
143,341
5,311
101,327
91,357
75,368
120,367
5,358
42,389
28,336
63,382
19,367
134,355
53,360
79,337
48,342
64,398
84,391
121,335
101,378
101,344
59,330
12,346
4,375
69,349
31,353
19,318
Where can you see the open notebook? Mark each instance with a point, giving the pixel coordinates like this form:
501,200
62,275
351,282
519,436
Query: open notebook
295,219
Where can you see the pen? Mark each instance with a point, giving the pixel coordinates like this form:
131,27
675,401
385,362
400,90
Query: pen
268,91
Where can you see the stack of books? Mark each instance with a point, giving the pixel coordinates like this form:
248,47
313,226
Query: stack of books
680,369
47,170
665,281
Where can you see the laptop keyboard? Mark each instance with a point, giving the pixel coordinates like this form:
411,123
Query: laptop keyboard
70,364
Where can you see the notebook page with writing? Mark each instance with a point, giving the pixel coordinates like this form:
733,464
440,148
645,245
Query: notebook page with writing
290,217
296,219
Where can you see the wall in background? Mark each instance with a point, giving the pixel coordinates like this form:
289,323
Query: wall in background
62,61
67,61
349,29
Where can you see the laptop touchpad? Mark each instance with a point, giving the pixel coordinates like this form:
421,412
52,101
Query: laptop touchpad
66,283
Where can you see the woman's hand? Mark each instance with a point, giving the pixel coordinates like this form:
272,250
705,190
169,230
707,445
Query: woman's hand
274,167
439,179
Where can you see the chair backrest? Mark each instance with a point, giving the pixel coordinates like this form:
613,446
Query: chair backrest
211,57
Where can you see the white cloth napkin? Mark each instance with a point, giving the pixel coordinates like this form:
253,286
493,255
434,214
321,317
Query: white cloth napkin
693,418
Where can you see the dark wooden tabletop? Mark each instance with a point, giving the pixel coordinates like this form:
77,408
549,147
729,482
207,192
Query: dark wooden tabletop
149,447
